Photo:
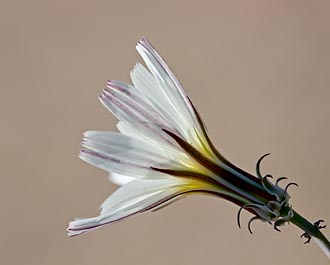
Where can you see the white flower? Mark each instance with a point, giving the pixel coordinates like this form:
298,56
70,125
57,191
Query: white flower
163,152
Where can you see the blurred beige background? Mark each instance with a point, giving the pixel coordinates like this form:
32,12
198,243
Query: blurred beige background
259,73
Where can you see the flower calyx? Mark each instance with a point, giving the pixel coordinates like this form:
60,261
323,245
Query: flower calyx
276,212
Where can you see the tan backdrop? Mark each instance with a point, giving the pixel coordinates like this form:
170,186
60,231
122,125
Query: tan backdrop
258,71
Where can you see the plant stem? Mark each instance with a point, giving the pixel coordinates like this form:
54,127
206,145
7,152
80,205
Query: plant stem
313,231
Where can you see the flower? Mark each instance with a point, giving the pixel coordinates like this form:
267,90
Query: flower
162,152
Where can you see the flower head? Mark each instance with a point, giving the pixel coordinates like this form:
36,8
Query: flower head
163,151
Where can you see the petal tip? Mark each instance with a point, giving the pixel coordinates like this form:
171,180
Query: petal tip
143,40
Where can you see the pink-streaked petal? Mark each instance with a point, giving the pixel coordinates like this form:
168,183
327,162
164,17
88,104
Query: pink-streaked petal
129,114
150,88
124,155
132,100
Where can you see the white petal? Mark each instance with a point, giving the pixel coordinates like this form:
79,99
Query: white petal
145,117
137,190
134,99
169,89
133,113
134,198
122,154
170,85
127,129
119,179
148,86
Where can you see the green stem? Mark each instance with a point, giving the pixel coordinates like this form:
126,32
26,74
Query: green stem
313,231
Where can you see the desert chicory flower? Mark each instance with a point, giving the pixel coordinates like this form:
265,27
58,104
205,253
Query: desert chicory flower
163,152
